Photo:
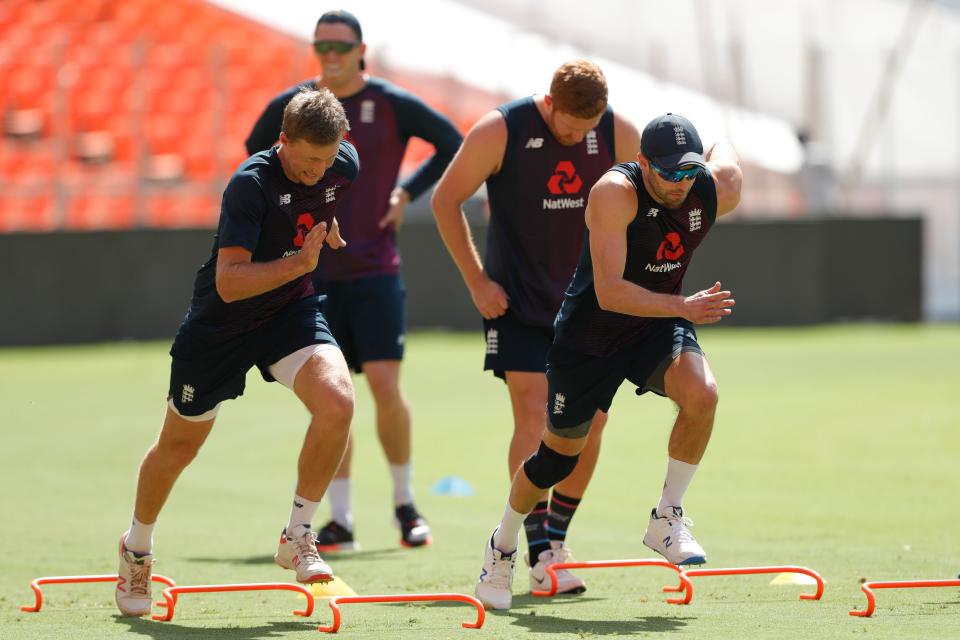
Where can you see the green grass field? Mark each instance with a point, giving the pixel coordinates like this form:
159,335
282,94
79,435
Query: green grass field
835,448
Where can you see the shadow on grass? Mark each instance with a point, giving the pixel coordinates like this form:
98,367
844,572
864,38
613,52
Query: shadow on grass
346,556
169,630
552,623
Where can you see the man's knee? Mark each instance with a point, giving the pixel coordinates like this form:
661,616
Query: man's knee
701,399
547,467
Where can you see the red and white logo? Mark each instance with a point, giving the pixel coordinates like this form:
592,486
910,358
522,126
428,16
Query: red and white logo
564,179
304,224
671,248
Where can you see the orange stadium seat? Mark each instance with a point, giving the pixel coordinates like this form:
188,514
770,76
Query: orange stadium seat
95,91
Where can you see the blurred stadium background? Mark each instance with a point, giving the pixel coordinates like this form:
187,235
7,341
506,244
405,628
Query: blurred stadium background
122,121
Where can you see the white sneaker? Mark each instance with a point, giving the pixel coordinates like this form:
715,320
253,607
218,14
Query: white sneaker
300,554
669,536
134,587
566,581
495,584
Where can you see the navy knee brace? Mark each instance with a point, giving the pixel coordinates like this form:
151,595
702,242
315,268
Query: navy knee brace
547,467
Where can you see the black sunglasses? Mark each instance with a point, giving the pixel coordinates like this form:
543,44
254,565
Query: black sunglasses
340,46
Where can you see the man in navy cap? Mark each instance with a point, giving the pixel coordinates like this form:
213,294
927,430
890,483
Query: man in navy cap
624,317
365,293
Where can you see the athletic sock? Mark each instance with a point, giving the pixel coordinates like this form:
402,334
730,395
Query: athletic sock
339,494
561,513
679,475
505,537
535,525
402,483
301,516
140,537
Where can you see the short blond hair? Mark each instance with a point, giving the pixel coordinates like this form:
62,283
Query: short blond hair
579,88
316,116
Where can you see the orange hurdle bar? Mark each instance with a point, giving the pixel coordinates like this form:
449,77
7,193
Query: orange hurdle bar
867,588
600,564
687,587
336,601
170,594
110,577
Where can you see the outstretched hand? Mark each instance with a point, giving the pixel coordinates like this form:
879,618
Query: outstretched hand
708,306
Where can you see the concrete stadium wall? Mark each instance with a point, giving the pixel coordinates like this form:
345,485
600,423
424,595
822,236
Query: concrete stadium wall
63,288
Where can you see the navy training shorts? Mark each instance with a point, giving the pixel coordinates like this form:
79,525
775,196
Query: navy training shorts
206,371
366,316
579,384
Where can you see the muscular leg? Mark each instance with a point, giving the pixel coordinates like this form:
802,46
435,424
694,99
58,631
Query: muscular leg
524,495
689,382
393,412
528,399
325,388
176,446
576,483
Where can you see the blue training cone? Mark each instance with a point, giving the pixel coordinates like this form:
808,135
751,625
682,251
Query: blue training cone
452,486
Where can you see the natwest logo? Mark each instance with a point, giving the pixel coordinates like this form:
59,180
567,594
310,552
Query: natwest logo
304,224
671,248
564,179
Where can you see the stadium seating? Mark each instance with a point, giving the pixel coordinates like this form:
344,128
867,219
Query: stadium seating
117,114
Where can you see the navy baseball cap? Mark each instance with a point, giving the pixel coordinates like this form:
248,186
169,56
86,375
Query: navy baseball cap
341,16
671,141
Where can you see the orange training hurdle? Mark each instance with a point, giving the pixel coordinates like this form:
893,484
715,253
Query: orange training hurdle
336,601
686,587
598,564
170,594
867,588
110,577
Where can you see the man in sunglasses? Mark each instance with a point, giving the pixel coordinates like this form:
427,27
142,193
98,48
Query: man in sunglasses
624,317
365,294
538,156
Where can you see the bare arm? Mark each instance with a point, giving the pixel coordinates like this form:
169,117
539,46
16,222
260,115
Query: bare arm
478,158
238,278
724,165
626,138
611,208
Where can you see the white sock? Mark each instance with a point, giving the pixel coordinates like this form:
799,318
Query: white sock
140,537
507,535
402,483
301,516
679,475
339,494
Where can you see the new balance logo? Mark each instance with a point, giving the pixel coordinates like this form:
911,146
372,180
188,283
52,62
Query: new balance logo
559,400
653,212
695,219
187,395
284,199
534,143
330,194
667,542
493,342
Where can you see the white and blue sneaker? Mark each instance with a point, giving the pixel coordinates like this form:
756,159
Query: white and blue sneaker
495,584
668,534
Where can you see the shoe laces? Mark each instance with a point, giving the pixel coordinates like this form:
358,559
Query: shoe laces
501,573
562,554
682,522
140,576
306,546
